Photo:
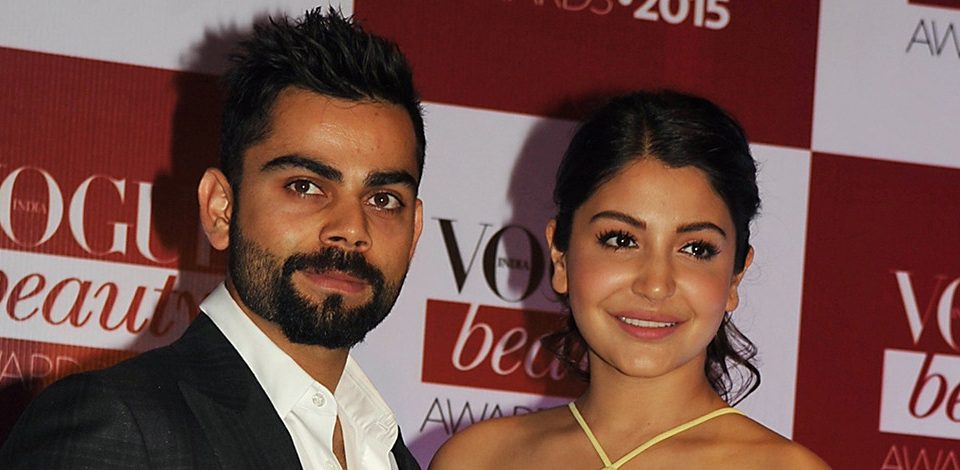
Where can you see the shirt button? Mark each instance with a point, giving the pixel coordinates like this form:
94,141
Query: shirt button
331,465
319,400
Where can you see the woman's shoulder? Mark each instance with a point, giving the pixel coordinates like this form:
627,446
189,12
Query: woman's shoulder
786,455
501,440
764,448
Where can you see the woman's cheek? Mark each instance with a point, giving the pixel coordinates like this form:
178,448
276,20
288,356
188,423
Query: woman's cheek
710,290
596,278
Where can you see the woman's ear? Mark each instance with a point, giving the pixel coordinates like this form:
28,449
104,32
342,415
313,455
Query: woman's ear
558,259
733,297
216,207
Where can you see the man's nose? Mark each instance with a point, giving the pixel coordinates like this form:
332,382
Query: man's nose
345,227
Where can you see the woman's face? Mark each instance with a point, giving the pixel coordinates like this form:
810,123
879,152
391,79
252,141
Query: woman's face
649,269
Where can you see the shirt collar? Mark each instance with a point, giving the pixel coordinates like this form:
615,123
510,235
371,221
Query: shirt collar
285,382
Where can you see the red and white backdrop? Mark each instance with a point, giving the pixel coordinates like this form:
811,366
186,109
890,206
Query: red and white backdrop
108,115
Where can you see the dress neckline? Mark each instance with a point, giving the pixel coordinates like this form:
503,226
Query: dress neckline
608,465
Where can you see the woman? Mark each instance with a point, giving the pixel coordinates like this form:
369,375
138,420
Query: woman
654,198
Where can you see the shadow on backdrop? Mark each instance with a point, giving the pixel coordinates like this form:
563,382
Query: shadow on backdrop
524,253
194,146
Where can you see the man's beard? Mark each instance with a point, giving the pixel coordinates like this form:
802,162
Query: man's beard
264,283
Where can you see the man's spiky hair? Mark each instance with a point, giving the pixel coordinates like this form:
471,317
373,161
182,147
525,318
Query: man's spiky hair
324,53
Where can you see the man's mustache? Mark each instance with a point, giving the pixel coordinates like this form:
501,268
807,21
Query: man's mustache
334,259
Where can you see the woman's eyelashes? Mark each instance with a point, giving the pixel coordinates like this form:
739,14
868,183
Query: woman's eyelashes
616,239
700,249
620,240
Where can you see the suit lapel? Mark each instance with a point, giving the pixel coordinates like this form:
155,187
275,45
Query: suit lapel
236,416
405,460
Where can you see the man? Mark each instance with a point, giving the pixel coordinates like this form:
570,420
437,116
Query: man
316,202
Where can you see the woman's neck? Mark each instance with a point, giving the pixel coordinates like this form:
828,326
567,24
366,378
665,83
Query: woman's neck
643,405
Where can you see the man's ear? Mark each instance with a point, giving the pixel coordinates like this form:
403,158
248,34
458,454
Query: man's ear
558,259
216,207
417,227
733,297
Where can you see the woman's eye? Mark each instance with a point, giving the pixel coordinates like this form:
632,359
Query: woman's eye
304,187
700,250
618,240
385,201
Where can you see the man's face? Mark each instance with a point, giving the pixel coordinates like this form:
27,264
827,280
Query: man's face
327,217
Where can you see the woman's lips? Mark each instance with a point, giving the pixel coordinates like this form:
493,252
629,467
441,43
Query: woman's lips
647,326
336,281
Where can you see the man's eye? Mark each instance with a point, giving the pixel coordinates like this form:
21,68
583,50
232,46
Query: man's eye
385,201
617,240
304,187
700,250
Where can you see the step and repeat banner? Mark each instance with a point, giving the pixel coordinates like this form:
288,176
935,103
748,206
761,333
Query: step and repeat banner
109,112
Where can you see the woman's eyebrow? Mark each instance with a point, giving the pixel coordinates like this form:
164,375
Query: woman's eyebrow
619,216
640,224
698,226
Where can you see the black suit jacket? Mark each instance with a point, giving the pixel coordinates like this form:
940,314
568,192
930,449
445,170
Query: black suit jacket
192,404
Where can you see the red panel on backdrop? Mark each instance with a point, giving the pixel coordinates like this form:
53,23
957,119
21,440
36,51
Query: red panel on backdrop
493,347
937,3
101,160
98,163
544,56
879,365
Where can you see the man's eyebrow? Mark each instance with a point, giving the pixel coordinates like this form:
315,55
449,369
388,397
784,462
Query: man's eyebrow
321,169
698,226
619,216
384,178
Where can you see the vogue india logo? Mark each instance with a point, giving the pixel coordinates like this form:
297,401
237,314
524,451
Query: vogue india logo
921,390
494,347
58,208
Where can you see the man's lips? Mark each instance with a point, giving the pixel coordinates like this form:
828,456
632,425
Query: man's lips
335,281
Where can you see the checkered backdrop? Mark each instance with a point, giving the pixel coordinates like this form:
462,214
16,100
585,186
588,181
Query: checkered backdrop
109,114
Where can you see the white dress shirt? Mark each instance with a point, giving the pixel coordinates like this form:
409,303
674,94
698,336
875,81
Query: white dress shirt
307,408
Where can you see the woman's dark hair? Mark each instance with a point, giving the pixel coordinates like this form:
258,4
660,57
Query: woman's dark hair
678,130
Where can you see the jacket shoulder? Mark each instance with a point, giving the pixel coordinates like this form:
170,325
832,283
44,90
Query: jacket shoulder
109,418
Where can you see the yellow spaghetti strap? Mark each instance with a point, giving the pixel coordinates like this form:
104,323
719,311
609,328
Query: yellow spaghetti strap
593,439
646,445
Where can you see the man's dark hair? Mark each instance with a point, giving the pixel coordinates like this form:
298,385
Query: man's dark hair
322,53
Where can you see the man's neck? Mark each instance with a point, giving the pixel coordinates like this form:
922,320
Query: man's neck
322,364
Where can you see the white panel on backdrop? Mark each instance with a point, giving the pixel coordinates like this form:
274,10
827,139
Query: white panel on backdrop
486,171
160,34
97,304
769,312
912,410
887,77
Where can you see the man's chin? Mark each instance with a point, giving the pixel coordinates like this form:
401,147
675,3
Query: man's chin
342,336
